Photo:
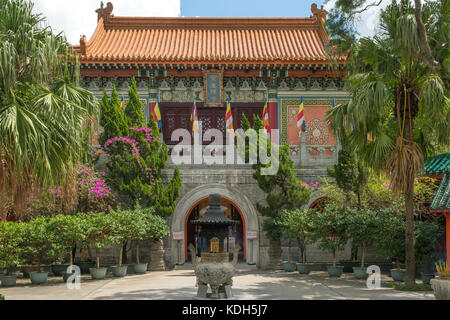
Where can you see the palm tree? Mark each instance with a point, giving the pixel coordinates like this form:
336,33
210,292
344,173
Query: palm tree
399,108
42,109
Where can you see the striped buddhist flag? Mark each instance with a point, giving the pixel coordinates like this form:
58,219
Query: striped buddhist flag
301,124
265,117
157,115
194,118
229,119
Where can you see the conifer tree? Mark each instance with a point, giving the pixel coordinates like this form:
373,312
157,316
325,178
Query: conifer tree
133,111
112,118
284,190
136,155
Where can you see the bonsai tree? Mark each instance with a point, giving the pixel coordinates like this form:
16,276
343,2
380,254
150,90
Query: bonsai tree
38,241
296,224
362,226
68,230
98,233
390,235
10,245
330,229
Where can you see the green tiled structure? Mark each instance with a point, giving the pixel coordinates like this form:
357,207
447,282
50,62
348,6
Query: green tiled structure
440,164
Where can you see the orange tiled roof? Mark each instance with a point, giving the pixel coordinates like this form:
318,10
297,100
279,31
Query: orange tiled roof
206,40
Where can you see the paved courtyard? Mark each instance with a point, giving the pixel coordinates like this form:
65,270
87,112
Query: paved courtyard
179,284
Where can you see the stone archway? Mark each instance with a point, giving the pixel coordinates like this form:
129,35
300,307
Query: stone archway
195,195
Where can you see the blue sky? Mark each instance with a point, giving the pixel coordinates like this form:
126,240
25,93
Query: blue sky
246,8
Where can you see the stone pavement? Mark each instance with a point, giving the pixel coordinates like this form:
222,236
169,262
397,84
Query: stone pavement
179,284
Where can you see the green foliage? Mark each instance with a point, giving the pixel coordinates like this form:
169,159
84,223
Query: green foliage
67,231
133,111
98,229
330,228
427,234
362,226
349,174
390,238
38,241
136,155
297,224
10,245
43,111
284,190
112,117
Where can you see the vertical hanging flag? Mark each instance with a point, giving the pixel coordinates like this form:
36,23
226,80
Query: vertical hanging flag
194,118
157,115
265,117
301,124
229,119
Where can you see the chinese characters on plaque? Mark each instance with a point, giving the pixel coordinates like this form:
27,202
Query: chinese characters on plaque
213,88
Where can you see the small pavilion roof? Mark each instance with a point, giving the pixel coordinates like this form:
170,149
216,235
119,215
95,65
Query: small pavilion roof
438,164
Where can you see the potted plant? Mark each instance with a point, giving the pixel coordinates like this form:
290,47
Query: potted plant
362,226
68,230
390,239
329,229
147,225
441,284
10,250
123,227
38,245
285,221
298,224
427,235
98,236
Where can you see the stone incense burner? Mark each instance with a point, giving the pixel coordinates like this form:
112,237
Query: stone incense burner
213,268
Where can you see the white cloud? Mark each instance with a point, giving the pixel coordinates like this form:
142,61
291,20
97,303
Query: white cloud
367,22
78,17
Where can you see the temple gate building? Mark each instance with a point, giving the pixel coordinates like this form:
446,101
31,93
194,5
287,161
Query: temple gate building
247,60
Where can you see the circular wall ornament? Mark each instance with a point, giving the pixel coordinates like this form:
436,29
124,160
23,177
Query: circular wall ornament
317,132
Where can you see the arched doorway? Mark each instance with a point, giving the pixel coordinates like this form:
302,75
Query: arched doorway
190,200
231,211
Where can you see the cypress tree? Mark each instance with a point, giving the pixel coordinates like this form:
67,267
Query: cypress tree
133,111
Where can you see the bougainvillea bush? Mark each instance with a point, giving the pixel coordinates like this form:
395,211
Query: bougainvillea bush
94,194
135,154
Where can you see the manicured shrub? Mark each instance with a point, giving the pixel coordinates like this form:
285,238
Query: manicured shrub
10,245
67,231
38,241
330,229
296,225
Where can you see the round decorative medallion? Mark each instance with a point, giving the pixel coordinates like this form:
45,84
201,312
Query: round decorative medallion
167,95
317,132
259,96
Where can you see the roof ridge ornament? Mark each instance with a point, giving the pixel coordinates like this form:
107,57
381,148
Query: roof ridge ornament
319,14
104,13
